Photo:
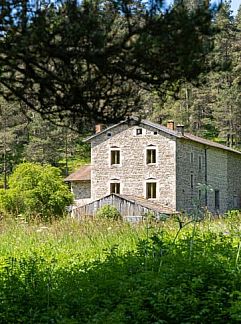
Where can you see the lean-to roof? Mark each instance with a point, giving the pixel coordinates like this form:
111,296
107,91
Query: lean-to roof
82,174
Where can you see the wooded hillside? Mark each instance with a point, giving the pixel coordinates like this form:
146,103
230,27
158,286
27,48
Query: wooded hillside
202,92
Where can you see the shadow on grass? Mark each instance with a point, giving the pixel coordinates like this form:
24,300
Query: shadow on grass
159,283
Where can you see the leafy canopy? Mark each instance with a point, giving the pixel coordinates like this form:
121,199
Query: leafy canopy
35,190
86,61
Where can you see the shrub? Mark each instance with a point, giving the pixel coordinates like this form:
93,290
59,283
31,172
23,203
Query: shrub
108,211
35,190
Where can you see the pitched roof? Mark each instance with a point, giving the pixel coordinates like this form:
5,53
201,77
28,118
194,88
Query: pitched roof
149,204
166,130
82,174
154,206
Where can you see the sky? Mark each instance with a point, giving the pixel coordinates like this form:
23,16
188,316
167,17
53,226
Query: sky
234,4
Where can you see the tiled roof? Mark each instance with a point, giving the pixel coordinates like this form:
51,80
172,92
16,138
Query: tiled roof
82,174
207,142
174,133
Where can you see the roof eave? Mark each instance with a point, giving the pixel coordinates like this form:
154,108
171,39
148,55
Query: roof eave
143,121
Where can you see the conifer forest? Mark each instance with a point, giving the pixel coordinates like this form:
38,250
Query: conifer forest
65,66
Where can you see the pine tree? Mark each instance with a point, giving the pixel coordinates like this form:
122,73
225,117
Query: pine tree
13,136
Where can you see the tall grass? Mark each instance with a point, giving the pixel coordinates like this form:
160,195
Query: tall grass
103,271
67,238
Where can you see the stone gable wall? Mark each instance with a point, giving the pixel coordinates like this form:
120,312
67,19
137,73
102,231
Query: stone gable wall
133,171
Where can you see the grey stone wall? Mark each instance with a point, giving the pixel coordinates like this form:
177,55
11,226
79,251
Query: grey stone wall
133,172
234,181
220,167
81,189
179,162
189,156
217,176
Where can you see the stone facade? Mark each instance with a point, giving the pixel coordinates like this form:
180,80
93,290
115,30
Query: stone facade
133,173
234,181
81,189
187,173
190,173
201,171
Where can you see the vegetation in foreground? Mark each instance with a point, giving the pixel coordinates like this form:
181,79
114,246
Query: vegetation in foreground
104,271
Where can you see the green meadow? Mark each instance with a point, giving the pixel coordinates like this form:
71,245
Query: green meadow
103,271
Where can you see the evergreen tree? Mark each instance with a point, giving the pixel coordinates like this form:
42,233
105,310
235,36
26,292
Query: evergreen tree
89,60
13,136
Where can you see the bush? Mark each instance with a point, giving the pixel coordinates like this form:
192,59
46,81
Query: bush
35,190
108,211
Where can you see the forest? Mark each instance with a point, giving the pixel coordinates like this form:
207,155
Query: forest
207,102
65,66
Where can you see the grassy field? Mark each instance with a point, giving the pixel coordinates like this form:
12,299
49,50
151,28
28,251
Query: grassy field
111,272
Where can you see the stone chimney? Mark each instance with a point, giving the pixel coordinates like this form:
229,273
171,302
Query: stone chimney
180,129
99,128
170,124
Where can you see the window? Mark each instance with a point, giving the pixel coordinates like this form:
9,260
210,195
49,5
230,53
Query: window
235,201
139,131
109,134
115,188
199,163
151,190
155,132
191,157
114,156
192,181
217,199
151,155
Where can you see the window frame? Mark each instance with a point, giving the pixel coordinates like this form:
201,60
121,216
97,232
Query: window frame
200,163
117,156
147,184
191,157
116,185
192,181
216,199
150,148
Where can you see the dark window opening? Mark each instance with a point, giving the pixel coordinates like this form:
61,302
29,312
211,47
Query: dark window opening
199,163
115,157
115,187
191,157
217,199
150,156
192,181
151,190
138,131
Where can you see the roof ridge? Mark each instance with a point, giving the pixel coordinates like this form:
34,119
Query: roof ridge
187,136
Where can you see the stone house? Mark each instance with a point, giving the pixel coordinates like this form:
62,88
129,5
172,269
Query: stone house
162,165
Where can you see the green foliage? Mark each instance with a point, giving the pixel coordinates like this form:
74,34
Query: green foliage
108,211
35,190
104,271
89,61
